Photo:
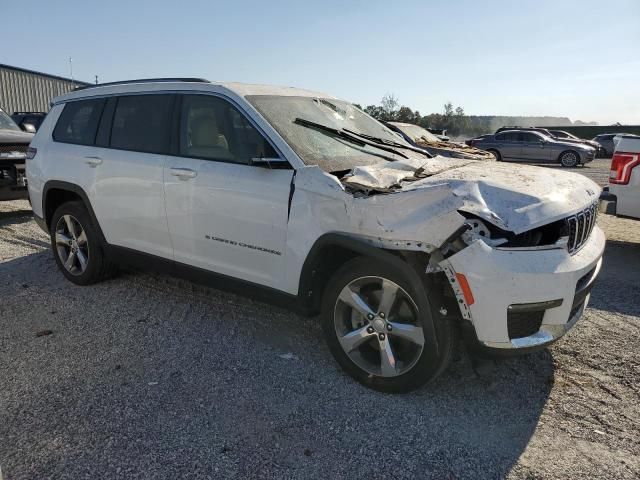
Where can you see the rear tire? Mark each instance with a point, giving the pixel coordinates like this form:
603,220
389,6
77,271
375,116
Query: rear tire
386,350
569,159
496,154
76,245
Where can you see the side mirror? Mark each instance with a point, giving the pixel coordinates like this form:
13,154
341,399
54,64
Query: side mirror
27,127
270,163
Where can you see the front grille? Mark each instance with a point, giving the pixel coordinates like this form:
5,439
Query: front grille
13,148
523,324
580,226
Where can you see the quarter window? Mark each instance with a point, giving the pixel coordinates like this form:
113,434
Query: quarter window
212,129
142,123
78,122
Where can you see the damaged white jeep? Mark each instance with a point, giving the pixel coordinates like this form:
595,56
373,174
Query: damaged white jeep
294,196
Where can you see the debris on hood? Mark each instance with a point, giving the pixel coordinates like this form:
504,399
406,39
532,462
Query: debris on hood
389,177
455,150
421,137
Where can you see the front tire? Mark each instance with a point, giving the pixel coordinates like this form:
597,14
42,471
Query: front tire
569,159
376,331
76,245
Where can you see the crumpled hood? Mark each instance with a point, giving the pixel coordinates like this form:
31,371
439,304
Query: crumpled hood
513,197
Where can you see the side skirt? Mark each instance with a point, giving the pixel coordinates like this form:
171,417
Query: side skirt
146,262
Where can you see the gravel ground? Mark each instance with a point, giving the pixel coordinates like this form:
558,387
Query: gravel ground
146,376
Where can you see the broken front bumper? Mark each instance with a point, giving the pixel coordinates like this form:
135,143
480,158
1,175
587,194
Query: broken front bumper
524,299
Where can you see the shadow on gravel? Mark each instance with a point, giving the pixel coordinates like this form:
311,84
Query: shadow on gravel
618,286
16,214
153,377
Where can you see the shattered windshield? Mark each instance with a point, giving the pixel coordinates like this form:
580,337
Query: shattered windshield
416,133
330,153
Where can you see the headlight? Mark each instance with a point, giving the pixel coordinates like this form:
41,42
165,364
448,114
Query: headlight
479,230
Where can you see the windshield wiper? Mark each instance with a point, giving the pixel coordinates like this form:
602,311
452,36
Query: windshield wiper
391,143
347,135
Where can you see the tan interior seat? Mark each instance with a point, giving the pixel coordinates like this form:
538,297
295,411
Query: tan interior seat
206,139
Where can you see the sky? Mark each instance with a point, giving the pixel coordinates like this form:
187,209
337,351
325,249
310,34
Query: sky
570,58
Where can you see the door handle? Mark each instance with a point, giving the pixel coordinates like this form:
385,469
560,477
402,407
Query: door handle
183,173
92,161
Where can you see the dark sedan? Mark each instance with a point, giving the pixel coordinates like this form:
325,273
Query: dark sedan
532,146
605,140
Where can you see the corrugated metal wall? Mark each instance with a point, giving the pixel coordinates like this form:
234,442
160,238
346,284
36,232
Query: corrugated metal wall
29,92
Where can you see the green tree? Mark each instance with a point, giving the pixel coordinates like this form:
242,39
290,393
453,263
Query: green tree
406,115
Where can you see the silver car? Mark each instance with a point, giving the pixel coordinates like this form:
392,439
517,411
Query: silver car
534,147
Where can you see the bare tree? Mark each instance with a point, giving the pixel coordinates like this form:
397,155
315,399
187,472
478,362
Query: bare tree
390,104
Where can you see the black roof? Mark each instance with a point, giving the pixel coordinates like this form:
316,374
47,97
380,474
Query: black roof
34,72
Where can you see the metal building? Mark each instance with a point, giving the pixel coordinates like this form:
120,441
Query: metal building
23,90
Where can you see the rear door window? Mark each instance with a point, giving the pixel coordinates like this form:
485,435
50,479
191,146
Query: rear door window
509,137
78,122
142,123
529,137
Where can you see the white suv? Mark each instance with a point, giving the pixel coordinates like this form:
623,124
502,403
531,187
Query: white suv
302,198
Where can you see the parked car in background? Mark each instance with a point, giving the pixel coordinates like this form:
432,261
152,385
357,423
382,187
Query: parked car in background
480,137
556,134
544,131
441,133
28,121
298,197
605,140
13,152
569,137
622,196
420,137
529,145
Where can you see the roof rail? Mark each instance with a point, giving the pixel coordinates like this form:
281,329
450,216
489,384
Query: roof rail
145,80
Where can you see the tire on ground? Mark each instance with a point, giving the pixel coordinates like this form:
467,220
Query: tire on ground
98,267
569,158
430,363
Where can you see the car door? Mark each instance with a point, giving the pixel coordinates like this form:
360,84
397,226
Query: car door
508,145
225,213
128,167
534,147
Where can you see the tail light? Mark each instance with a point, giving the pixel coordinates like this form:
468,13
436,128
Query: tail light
31,153
621,166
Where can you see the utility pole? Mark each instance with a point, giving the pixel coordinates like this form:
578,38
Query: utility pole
71,68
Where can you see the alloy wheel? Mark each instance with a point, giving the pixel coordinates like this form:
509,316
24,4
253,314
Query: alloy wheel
569,159
377,325
72,245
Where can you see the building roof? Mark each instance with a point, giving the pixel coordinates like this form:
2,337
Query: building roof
33,72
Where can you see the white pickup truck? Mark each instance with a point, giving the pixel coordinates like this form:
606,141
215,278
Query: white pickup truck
622,196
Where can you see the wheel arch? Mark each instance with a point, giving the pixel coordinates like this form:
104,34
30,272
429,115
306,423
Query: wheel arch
493,149
57,192
332,250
